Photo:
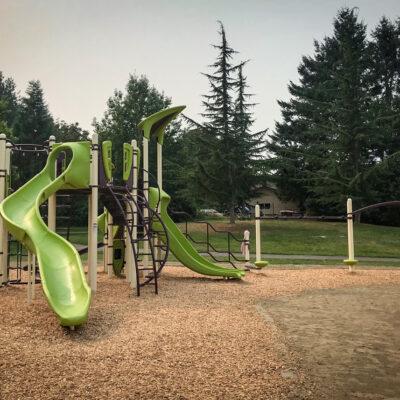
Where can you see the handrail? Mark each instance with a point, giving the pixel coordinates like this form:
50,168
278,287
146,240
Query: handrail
156,185
125,195
29,147
377,205
305,217
152,215
209,245
129,228
333,217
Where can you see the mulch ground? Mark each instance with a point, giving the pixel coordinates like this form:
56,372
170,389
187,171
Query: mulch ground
200,338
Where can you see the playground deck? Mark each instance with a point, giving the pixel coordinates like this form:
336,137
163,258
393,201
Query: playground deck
205,338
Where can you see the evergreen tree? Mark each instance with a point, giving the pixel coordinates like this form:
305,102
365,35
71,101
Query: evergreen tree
8,104
4,128
349,129
34,125
214,175
248,148
227,152
322,148
384,178
385,87
65,132
179,167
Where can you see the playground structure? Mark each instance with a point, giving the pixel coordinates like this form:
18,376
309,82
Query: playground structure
138,232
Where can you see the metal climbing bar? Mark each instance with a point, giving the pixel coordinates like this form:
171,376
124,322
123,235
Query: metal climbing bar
229,238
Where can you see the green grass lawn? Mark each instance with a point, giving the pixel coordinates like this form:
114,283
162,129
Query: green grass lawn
78,235
306,237
294,237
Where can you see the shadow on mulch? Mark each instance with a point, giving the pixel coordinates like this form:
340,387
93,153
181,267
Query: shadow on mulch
103,324
347,338
208,280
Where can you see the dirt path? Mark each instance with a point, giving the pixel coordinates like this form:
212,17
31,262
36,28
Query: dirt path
200,338
348,338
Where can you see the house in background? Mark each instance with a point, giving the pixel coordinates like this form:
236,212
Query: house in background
271,204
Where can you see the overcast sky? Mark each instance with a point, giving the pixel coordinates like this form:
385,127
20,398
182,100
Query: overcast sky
81,50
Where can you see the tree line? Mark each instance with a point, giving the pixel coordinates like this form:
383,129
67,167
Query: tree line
339,134
217,163
340,130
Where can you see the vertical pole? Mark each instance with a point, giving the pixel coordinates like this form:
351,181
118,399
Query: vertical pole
89,234
94,200
229,247
146,196
128,244
128,247
105,242
258,233
134,209
246,247
159,166
29,283
208,238
52,202
160,185
3,233
350,236
33,276
110,247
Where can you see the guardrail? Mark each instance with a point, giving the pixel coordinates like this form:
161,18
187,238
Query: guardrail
230,239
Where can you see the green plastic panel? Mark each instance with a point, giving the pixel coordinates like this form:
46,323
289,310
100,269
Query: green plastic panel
118,251
106,152
102,224
128,153
155,124
63,280
181,248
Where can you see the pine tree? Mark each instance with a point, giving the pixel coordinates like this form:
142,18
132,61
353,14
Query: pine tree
215,170
227,151
34,125
322,146
299,143
248,148
65,132
8,104
179,172
384,177
385,87
349,128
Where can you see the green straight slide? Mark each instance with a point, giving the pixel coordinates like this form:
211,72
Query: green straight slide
180,246
63,279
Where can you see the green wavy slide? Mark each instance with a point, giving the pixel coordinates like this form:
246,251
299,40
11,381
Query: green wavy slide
63,279
180,246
